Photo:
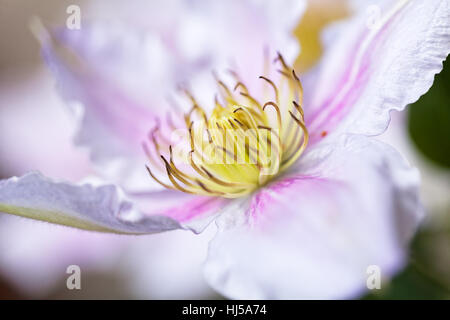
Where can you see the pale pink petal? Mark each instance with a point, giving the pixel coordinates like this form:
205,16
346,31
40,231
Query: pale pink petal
382,59
313,234
114,120
105,208
98,208
190,211
35,132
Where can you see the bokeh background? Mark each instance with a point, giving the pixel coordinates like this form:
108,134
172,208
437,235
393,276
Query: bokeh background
36,132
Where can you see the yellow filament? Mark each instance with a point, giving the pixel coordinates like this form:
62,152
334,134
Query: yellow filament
237,148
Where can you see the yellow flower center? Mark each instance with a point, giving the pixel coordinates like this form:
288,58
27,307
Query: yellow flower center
242,144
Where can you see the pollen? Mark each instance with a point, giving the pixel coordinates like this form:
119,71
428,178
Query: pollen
240,145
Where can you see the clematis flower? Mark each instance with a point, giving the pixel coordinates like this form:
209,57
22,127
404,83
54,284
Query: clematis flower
149,265
307,203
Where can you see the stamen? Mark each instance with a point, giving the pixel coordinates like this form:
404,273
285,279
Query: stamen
292,158
159,181
253,100
233,151
240,84
275,106
273,86
281,59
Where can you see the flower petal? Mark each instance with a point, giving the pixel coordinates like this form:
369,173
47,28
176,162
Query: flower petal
100,208
190,211
118,118
91,72
37,136
314,234
376,62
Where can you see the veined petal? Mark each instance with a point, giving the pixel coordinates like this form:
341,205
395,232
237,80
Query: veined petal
192,212
102,208
382,59
30,141
315,233
90,69
97,69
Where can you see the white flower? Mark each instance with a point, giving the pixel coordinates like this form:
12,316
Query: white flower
337,201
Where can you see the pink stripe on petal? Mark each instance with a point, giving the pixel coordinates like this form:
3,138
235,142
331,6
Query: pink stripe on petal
341,100
313,237
257,212
191,211
339,86
194,208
